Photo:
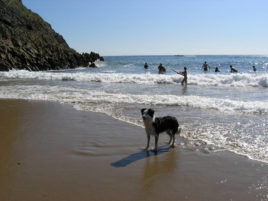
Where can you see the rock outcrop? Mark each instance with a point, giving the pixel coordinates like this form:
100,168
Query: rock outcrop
28,42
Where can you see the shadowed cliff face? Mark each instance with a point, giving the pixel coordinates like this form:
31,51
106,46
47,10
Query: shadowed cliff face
28,42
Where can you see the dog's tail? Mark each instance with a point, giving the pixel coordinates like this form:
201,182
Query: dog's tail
179,131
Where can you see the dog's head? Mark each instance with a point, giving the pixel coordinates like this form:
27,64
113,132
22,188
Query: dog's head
147,113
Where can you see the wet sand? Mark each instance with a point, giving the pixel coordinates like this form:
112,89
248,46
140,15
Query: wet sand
50,151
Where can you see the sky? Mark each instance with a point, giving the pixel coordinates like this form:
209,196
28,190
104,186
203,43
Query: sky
159,27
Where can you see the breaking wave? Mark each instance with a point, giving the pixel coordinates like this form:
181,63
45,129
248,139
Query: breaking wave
83,96
221,80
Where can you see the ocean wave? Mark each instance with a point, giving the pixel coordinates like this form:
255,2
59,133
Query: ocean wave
83,96
100,64
232,80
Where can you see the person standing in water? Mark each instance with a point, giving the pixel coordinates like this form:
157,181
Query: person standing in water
205,66
161,69
145,65
254,68
184,74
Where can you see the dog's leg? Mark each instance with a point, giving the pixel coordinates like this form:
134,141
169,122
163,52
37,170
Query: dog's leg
156,142
173,132
173,137
148,143
173,141
170,137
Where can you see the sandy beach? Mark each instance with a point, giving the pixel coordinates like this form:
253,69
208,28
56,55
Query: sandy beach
50,151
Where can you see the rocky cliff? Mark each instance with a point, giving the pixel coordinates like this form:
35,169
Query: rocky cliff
28,42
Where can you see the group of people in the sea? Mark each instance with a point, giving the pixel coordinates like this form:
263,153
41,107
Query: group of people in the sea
232,69
162,70
206,67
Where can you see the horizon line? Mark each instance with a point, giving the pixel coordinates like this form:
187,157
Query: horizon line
178,55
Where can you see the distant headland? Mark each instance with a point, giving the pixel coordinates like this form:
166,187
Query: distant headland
28,42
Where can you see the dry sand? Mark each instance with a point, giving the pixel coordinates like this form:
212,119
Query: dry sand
50,151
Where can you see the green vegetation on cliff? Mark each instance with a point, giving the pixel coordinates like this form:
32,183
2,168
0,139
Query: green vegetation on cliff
28,42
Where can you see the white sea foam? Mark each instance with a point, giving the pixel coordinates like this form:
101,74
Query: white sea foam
70,95
241,141
232,80
100,64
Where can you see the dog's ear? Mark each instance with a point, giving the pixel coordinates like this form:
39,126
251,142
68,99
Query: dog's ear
151,112
142,110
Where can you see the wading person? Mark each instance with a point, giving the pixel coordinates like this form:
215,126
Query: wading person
205,66
161,69
184,74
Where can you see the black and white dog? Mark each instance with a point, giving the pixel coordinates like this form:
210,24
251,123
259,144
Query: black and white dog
156,125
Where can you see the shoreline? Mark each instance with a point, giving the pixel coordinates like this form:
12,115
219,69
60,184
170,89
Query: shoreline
51,151
124,120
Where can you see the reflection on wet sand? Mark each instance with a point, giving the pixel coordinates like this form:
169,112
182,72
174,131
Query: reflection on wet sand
156,168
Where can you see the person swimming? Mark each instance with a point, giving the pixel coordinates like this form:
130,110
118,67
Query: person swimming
217,70
254,68
146,65
161,69
232,69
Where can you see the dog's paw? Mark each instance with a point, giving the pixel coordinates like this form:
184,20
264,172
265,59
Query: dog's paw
154,150
146,149
169,143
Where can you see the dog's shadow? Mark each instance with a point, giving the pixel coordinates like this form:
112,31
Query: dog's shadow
139,156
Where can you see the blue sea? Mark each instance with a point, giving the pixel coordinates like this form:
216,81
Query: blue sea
217,111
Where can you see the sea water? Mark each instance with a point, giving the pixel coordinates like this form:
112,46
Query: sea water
217,111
